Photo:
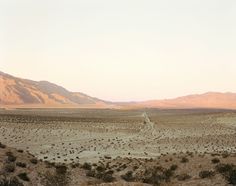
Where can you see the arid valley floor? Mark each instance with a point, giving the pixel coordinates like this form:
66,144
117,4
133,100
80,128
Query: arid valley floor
126,147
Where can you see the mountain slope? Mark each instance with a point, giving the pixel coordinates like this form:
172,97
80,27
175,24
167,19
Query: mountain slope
207,100
17,91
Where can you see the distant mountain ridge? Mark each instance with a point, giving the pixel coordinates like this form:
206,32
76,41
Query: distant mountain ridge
17,92
206,100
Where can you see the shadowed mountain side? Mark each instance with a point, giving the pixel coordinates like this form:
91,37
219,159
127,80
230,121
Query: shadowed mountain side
17,91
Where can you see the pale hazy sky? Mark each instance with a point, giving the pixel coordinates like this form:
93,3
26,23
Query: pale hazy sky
122,49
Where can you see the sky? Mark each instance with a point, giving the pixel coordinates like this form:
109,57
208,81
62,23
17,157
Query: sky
122,50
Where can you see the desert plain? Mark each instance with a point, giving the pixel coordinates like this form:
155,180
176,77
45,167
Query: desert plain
122,137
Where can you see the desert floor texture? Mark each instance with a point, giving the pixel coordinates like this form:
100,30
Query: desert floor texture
92,136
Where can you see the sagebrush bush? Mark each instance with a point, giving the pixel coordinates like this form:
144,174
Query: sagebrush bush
10,156
34,161
184,160
206,174
232,177
228,171
9,167
100,168
108,178
10,181
183,177
215,160
20,164
225,168
51,179
173,167
23,176
128,176
86,166
61,169
91,173
2,146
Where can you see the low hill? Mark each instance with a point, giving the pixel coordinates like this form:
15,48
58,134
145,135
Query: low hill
207,100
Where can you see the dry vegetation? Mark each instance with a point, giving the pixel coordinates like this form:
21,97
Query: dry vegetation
88,147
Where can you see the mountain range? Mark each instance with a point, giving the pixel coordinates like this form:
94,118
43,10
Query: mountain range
18,92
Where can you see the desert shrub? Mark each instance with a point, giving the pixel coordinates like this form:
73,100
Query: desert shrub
124,166
118,170
49,165
20,164
61,169
2,146
128,176
100,168
107,157
99,175
167,174
228,171
157,175
75,165
9,167
23,176
183,177
86,166
189,153
232,177
224,168
10,157
54,179
9,153
34,161
173,167
12,181
102,175
206,174
215,160
225,155
108,178
109,172
184,160
91,173
154,180
20,151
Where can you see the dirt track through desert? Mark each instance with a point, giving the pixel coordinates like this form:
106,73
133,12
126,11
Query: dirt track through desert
110,134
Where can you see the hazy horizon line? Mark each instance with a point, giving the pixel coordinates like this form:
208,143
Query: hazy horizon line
122,101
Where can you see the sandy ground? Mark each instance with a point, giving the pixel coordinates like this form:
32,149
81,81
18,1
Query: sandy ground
89,135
